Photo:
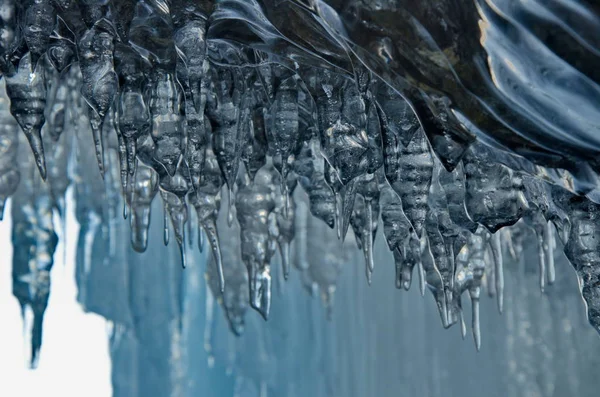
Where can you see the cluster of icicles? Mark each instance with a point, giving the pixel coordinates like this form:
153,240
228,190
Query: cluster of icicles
192,119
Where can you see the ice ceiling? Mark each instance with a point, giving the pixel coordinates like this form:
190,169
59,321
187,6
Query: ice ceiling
463,126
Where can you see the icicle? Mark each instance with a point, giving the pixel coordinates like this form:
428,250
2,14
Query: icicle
235,297
200,239
165,226
463,326
100,81
496,245
309,168
538,223
40,18
167,122
285,222
494,193
182,254
582,249
364,218
231,97
434,279
348,195
409,171
549,246
190,41
133,116
230,207
474,293
207,202
27,92
282,136
254,203
421,278
255,152
397,231
143,190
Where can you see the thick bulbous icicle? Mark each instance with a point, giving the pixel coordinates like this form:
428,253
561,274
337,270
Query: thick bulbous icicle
254,203
583,250
282,134
412,179
133,115
342,133
27,92
38,21
309,168
494,193
190,42
34,242
100,83
400,238
140,195
167,121
192,73
342,120
223,110
206,199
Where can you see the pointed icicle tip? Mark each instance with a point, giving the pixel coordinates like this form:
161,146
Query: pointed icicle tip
285,260
463,326
96,123
183,256
37,147
230,206
337,222
200,239
475,323
542,264
421,278
166,228
549,244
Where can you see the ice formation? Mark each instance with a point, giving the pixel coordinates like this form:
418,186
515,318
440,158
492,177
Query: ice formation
465,127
